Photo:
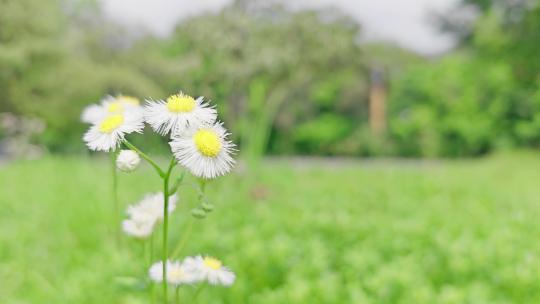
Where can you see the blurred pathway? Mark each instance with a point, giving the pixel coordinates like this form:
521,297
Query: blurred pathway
347,162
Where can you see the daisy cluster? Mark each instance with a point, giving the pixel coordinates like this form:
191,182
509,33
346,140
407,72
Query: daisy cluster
198,140
193,270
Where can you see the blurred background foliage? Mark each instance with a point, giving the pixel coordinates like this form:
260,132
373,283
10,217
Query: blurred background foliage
287,81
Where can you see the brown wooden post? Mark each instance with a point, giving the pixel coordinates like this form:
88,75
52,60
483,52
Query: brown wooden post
377,102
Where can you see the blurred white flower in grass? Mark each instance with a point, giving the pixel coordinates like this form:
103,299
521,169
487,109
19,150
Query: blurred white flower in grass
204,150
107,134
150,208
127,160
138,229
177,113
111,105
209,269
177,273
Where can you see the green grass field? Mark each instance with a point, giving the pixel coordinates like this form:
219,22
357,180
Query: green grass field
384,232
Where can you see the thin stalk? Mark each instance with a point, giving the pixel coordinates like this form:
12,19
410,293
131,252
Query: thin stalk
202,183
152,289
177,295
166,177
116,210
146,157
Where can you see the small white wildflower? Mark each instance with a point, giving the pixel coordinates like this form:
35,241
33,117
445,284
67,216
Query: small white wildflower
204,150
209,269
150,208
93,113
111,105
127,160
177,274
138,229
109,132
178,113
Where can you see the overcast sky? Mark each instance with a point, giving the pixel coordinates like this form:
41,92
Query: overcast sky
405,22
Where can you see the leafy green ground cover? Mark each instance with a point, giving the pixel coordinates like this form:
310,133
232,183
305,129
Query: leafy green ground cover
386,232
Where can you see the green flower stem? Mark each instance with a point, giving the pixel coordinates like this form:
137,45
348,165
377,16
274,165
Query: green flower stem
177,295
166,177
152,289
146,157
116,216
202,182
177,183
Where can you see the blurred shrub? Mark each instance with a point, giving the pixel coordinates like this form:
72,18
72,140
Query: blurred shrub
287,81
320,134
270,70
457,107
50,66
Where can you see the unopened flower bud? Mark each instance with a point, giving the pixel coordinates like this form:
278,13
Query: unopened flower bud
208,207
198,213
127,160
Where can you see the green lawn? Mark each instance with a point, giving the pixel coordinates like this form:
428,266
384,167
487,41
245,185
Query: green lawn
383,232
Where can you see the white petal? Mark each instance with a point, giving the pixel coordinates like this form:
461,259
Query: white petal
186,153
163,121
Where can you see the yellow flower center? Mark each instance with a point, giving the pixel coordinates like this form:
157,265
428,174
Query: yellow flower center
111,123
212,263
128,99
208,143
115,107
180,103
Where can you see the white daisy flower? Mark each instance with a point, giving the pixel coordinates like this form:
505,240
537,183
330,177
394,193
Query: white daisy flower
93,113
107,134
138,229
210,269
150,208
177,273
127,160
204,150
111,105
177,113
